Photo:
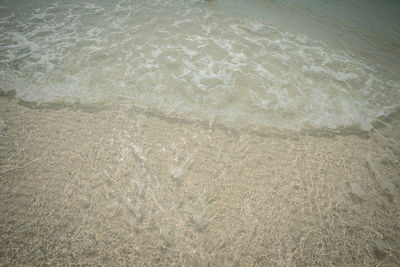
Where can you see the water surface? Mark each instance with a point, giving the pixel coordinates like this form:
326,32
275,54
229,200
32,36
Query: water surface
279,64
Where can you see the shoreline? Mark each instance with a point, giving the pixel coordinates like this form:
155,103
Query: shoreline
252,129
122,187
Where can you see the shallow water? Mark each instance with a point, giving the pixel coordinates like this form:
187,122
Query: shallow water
167,133
241,63
121,186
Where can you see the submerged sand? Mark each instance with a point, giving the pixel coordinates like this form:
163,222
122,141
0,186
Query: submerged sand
120,186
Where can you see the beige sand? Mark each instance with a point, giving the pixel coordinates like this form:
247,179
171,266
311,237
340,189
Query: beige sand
120,186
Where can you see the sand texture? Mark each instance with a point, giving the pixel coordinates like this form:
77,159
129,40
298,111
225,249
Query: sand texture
120,186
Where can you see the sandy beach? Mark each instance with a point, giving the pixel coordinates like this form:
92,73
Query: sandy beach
199,133
121,186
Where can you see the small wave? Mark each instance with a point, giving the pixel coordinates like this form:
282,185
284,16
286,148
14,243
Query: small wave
188,60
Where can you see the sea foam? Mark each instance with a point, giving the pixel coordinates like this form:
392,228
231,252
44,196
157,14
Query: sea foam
189,61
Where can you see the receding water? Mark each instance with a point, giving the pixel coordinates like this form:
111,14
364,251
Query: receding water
192,133
276,64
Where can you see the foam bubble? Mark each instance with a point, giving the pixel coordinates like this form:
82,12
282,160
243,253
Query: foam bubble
183,59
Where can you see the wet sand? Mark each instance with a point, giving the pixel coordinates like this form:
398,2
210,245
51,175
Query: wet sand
120,186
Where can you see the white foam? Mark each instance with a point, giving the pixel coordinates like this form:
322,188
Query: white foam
188,60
